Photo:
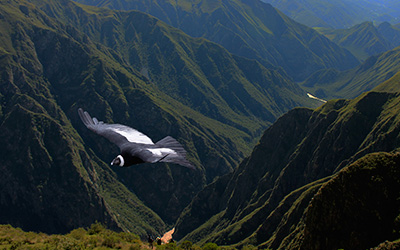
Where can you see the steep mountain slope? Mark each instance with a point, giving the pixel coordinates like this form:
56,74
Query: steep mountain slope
390,32
124,67
363,40
328,84
195,72
391,85
265,199
248,28
50,182
232,90
339,14
368,193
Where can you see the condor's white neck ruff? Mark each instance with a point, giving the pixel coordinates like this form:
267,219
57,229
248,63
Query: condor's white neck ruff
121,160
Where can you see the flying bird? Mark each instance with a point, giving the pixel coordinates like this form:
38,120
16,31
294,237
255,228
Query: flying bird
136,147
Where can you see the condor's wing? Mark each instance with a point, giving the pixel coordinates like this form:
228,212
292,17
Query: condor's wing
165,150
154,155
116,133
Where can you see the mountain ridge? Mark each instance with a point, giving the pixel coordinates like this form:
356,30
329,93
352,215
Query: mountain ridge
53,62
57,56
251,29
328,84
363,40
340,14
268,212
369,189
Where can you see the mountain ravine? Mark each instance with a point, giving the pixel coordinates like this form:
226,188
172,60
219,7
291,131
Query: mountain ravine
268,200
248,28
57,56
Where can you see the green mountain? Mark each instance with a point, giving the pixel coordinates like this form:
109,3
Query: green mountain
364,40
390,32
250,28
50,181
339,14
129,68
366,191
312,178
391,85
328,84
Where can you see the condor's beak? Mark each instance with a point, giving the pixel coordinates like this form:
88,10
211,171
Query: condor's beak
116,161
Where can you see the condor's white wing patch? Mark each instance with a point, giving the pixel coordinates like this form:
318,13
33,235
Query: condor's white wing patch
133,141
116,133
162,151
132,135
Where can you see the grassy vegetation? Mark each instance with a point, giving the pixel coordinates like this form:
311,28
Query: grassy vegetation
94,237
249,29
363,40
329,84
321,142
390,85
366,191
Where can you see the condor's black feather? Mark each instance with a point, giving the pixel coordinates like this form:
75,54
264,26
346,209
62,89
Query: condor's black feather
135,146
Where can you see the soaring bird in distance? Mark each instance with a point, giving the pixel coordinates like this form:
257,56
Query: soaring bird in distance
135,146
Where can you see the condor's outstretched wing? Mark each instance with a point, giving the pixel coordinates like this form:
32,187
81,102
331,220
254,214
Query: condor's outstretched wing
116,133
169,150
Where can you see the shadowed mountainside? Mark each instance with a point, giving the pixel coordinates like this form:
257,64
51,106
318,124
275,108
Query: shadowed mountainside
264,201
362,201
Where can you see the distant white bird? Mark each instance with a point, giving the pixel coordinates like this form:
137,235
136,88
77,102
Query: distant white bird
135,146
